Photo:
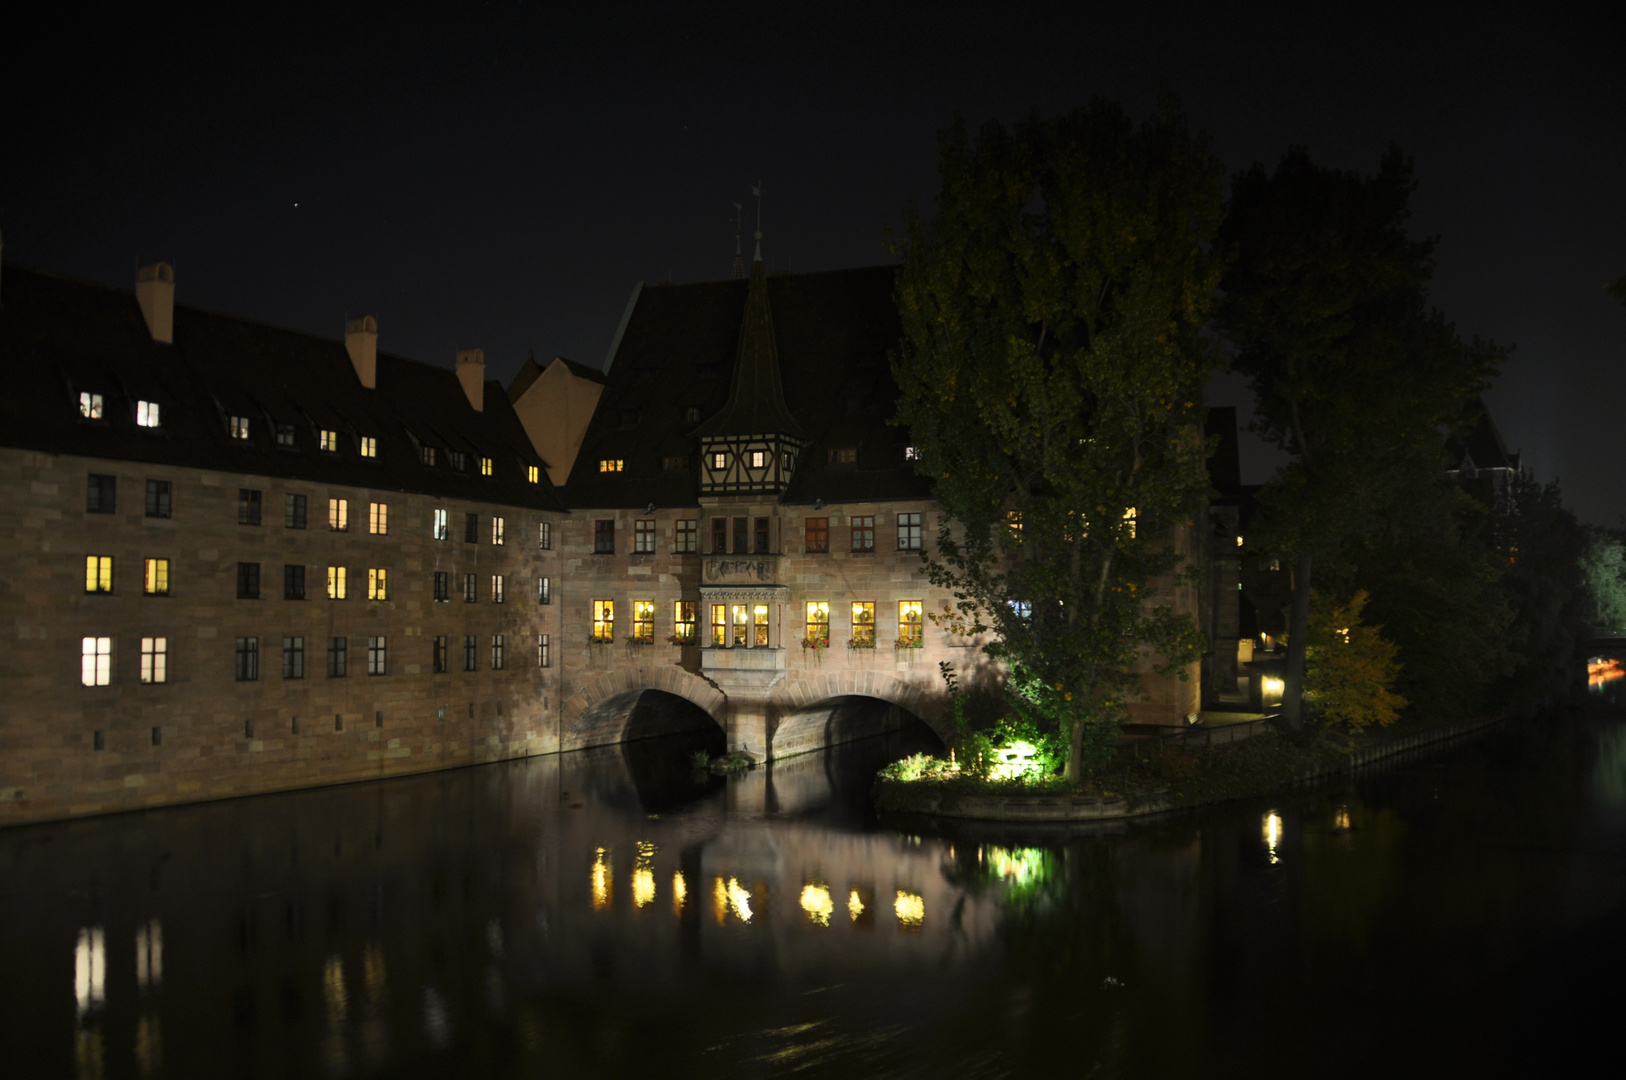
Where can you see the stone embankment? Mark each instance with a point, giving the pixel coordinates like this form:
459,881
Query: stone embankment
1087,809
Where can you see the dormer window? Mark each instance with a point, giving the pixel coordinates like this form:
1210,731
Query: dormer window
674,462
239,427
90,406
285,436
147,414
533,474
842,456
369,446
691,414
455,458
485,466
911,453
328,441
609,465
429,455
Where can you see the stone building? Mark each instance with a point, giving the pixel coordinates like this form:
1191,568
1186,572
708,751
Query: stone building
246,559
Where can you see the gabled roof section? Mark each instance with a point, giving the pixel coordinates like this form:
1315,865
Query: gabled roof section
1481,446
530,371
60,337
756,398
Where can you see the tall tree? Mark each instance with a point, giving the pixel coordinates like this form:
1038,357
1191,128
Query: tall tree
1354,376
1052,368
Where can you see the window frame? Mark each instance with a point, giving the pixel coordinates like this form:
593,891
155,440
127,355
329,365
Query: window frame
250,506
101,493
863,624
247,663
338,657
338,515
816,536
683,622
154,577
248,581
378,655
911,624
96,661
604,621
862,528
378,519
295,511
293,657
643,536
817,624
293,581
160,499
378,583
99,575
911,531
643,622
154,661
686,540
338,583
604,536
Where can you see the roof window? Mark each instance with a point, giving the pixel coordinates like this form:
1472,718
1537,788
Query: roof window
239,426
90,406
285,435
608,465
147,414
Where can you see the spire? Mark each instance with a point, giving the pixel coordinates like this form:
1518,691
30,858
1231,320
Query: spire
756,189
756,400
739,262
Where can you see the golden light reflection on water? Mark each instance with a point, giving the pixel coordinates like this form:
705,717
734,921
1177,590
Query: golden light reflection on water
602,884
855,905
1271,830
680,892
911,910
817,903
149,1045
730,898
150,955
643,875
89,969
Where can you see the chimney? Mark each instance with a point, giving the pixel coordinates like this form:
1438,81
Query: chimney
155,292
471,372
361,342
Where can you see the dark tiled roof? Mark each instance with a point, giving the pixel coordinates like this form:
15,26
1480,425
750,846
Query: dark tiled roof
833,332
756,397
59,337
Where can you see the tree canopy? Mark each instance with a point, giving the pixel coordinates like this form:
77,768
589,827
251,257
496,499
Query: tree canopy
1052,369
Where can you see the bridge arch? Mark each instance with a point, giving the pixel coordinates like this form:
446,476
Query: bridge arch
599,713
798,721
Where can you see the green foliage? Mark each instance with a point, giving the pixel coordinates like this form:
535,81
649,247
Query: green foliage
1052,368
700,759
1351,669
1603,570
1617,289
1542,543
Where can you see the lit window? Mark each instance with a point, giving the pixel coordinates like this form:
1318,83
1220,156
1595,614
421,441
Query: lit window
542,650
759,625
98,573
285,435
369,446
610,465
603,620
719,625
328,440
158,498
440,662
817,534
443,586
293,511
96,661
239,427
147,413
471,656
337,657
604,537
758,459
442,529
789,460
863,533
471,588
499,652
377,655
544,590
683,622
544,536
498,589
101,494
338,582
688,535
911,453
497,530
742,625
485,466
643,621
818,624
719,461
1129,522
455,458
248,506
908,532
1022,609
155,579
533,474
909,624
1013,525
378,518
293,658
90,406
378,585
428,453
643,536
248,659
863,624
154,660
338,515
842,456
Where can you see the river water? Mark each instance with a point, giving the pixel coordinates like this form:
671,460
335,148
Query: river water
610,913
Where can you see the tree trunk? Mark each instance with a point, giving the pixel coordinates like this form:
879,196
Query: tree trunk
1298,640
1075,753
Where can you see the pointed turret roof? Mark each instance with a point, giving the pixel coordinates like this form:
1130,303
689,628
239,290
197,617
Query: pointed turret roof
756,400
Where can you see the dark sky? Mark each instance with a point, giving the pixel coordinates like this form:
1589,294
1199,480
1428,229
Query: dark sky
500,174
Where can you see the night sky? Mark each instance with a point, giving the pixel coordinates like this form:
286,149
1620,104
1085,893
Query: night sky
499,175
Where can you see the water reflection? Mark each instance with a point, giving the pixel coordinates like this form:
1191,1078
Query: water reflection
817,904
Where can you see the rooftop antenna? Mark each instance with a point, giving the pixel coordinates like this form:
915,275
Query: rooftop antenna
756,189
739,261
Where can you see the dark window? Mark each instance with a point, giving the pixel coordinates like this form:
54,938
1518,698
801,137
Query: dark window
456,459
285,435
643,536
157,736
293,583
158,505
674,462
499,653
440,658
542,657
248,506
248,659
691,414
742,536
604,537
471,588
101,494
443,586
248,581
760,537
377,655
428,455
293,658
688,539
471,653
544,590
337,647
818,535
863,533
293,511
719,536
908,532
471,528
842,456
544,536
